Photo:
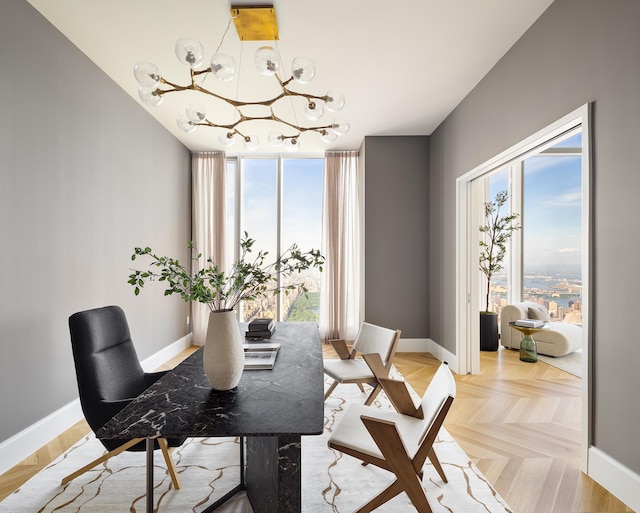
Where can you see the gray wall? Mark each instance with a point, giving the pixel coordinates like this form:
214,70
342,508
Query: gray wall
397,233
85,175
579,51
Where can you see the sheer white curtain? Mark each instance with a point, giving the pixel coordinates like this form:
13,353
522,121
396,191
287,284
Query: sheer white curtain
342,298
208,218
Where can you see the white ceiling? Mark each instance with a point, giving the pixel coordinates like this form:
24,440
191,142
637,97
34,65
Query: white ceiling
403,65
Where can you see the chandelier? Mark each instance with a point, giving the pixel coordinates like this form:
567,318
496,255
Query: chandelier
252,24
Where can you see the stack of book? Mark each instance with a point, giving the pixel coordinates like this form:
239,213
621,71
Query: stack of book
529,323
259,351
260,328
260,355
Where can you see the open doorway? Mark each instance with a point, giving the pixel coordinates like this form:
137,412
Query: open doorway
560,151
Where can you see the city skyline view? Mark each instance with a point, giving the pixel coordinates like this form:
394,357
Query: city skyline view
551,232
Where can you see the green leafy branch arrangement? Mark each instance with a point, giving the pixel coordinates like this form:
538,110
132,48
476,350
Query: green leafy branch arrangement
499,230
248,279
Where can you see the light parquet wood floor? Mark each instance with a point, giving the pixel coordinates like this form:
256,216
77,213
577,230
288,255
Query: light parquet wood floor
519,422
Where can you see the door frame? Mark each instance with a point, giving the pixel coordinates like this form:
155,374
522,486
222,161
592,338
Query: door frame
467,274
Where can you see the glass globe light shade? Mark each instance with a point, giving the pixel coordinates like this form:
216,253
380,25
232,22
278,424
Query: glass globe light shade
227,138
340,126
147,74
251,142
292,144
334,100
314,110
149,96
328,136
185,124
223,67
303,69
276,139
196,113
267,60
189,52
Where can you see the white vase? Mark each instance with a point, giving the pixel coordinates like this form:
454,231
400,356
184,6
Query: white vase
223,358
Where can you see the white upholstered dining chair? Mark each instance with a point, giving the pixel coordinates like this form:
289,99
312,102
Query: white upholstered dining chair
347,368
398,441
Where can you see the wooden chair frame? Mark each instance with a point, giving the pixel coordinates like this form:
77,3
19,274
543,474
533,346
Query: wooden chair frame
345,353
408,471
164,447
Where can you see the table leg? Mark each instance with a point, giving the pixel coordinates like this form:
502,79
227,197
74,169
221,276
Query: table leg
238,488
274,480
149,446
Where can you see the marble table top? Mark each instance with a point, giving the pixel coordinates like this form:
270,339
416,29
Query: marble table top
287,399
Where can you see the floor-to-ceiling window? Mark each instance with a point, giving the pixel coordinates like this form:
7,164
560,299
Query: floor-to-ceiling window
552,229
544,264
278,202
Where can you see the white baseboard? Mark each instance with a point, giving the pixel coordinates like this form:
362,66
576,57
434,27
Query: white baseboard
413,345
29,440
426,345
619,480
156,360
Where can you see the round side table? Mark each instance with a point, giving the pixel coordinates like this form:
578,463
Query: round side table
528,348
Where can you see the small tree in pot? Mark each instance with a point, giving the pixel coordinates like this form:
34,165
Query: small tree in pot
494,236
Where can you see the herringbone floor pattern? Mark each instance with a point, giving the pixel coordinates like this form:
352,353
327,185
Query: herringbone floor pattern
521,425
519,422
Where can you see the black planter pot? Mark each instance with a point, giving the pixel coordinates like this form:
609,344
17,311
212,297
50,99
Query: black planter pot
488,331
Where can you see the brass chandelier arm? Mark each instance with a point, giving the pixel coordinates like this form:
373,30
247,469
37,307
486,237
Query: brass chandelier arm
235,103
175,88
289,92
271,117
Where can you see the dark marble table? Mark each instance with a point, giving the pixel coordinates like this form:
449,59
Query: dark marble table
270,409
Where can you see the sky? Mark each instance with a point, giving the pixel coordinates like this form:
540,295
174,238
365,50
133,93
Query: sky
302,186
552,213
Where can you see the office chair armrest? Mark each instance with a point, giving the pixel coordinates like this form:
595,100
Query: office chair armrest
151,377
103,411
115,406
341,348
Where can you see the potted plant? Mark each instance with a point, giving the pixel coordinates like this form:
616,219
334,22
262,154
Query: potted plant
494,236
249,278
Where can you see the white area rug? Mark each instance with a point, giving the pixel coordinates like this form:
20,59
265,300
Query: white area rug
208,468
571,363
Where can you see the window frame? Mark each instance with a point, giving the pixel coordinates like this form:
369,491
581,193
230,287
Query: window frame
515,169
234,236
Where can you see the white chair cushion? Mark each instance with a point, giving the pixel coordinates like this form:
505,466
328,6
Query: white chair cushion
346,370
374,339
352,433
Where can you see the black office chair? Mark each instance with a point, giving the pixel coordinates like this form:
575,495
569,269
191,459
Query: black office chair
109,377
